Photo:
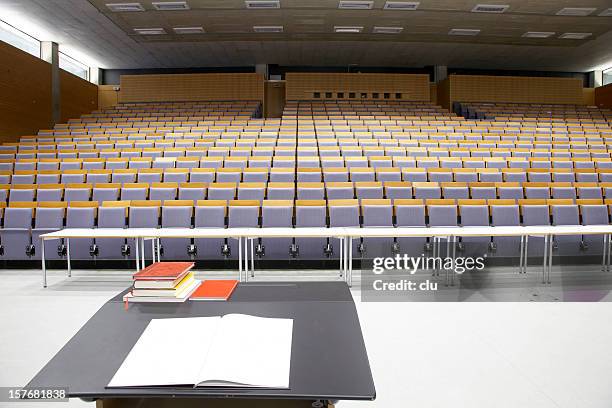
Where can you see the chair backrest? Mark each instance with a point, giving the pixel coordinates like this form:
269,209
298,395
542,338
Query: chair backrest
81,214
176,213
593,212
441,212
473,212
113,214
19,215
504,212
534,212
243,213
377,212
50,215
343,213
210,213
277,213
310,213
409,212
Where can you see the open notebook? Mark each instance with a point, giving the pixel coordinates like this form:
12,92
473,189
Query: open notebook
231,351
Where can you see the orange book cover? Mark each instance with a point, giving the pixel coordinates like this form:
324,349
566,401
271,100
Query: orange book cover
164,271
214,290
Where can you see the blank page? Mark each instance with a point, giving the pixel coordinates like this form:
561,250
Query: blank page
249,351
169,352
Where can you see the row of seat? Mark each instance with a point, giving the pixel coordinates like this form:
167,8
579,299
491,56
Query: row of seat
306,190
310,153
288,158
25,222
304,127
308,174
371,140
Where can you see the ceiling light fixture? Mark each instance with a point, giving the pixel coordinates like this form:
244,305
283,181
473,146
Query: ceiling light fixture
538,34
401,5
262,4
606,13
149,31
387,30
356,4
490,8
268,29
463,31
576,11
348,29
188,30
124,7
170,5
575,36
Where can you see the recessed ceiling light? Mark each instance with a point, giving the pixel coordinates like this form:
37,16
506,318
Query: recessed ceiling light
268,29
606,13
575,36
348,29
150,31
490,8
401,5
387,30
356,4
262,4
170,5
538,34
188,30
463,31
576,11
124,7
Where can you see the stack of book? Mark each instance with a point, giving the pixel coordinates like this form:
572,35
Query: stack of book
163,282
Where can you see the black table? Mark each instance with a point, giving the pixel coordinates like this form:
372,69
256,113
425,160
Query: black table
328,361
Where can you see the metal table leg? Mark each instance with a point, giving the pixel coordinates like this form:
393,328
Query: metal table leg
522,247
545,258
44,266
550,256
346,259
341,244
69,264
454,246
446,271
252,258
433,252
604,253
609,252
158,249
350,251
526,257
137,257
142,253
240,259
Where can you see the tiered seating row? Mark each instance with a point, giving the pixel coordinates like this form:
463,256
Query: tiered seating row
27,220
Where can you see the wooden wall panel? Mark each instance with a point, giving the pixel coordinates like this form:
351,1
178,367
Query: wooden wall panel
603,96
25,93
275,99
443,91
78,96
588,96
191,87
303,86
482,88
433,93
107,96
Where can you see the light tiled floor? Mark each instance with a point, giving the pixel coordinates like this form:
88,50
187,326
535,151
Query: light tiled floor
423,354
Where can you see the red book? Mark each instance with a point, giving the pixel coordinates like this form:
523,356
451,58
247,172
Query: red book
164,271
214,290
